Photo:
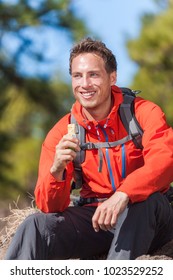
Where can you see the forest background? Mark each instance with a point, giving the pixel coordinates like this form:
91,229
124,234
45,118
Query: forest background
32,98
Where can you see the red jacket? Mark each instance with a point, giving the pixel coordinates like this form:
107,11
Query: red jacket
142,173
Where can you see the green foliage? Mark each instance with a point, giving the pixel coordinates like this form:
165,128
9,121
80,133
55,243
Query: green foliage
29,106
153,53
23,126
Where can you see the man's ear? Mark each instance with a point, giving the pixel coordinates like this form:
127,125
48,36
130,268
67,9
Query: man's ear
113,78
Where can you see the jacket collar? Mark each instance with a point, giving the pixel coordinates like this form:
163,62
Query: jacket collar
107,122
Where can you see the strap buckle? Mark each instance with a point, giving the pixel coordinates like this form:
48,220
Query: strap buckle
80,201
87,146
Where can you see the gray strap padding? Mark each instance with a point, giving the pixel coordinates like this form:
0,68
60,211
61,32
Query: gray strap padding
98,145
80,157
129,120
80,134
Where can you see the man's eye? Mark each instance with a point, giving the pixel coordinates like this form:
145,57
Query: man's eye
76,76
94,74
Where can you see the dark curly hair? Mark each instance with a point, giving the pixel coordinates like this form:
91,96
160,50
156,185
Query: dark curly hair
89,45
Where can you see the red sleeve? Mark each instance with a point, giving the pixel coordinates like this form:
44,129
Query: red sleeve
157,172
50,195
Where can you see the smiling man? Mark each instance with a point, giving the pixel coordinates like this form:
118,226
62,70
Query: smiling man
91,85
123,210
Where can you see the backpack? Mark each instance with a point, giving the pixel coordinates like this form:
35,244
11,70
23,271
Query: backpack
133,128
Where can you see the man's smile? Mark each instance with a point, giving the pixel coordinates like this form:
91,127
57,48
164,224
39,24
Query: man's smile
87,94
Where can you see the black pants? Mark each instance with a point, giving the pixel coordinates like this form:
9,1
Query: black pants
142,228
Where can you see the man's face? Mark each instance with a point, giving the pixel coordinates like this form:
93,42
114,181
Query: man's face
91,83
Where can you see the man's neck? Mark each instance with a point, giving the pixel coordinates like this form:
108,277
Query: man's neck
97,115
89,116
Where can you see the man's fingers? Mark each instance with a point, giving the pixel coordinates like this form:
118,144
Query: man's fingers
109,221
113,220
104,219
95,220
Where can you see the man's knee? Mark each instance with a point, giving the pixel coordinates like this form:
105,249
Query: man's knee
35,221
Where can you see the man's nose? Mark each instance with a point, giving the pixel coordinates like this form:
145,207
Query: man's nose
86,82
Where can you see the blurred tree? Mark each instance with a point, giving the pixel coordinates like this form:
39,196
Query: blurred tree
153,53
30,104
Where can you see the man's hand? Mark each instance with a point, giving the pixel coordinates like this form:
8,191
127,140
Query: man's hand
65,152
106,214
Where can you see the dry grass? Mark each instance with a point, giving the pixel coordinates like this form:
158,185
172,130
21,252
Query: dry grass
12,221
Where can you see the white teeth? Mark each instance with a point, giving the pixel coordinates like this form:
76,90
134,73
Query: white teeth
88,93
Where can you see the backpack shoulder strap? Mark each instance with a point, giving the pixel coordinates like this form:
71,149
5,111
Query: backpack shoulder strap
127,115
80,157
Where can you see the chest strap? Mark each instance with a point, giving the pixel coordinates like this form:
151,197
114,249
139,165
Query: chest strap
99,145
